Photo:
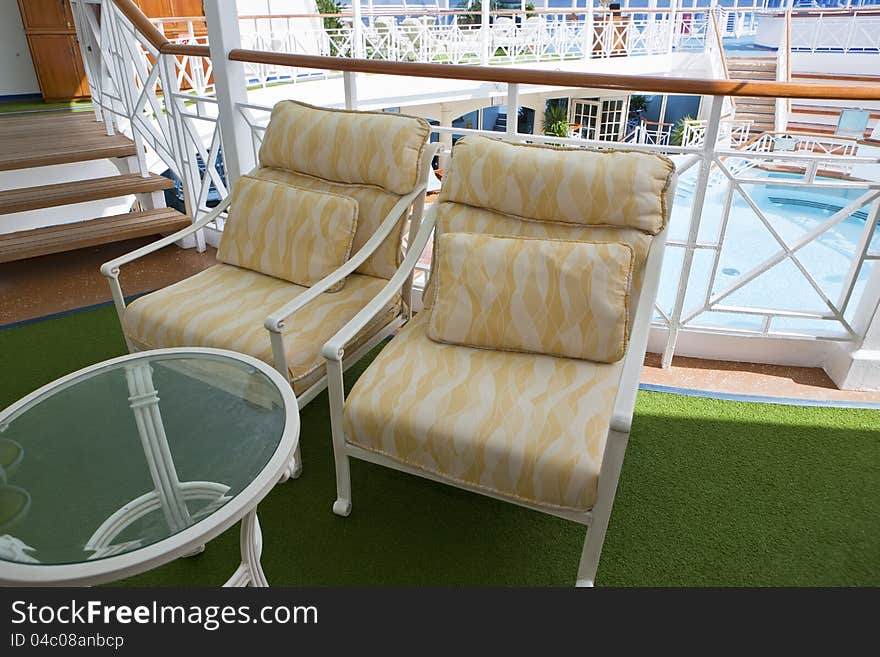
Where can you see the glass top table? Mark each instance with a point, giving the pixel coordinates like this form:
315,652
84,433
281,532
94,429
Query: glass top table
133,462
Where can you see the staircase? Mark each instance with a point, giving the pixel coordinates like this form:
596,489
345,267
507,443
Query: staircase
761,111
500,123
31,141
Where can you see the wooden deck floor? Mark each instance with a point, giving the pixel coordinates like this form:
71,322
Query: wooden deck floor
40,139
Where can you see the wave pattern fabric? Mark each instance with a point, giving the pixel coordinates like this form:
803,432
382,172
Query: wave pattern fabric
225,307
374,204
611,188
526,427
458,218
295,234
560,298
363,148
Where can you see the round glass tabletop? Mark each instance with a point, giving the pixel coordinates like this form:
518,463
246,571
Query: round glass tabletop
126,454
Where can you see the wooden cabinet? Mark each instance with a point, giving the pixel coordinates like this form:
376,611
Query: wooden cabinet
48,25
46,14
59,66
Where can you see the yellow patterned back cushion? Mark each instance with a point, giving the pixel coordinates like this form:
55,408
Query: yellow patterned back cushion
552,297
283,231
374,204
372,148
612,188
458,218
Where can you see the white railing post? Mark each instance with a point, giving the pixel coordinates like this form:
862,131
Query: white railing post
184,154
484,32
857,367
512,109
589,30
357,29
231,87
349,79
673,21
782,56
699,196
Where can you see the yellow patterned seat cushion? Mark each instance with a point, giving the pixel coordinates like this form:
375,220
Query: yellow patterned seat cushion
577,186
225,307
527,427
295,234
560,298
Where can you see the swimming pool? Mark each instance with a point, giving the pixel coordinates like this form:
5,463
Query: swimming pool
792,212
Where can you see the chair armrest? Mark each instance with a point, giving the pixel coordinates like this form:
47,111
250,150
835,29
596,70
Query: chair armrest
275,321
333,348
111,269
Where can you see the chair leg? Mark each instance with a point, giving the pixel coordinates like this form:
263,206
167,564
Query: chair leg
609,475
342,505
589,563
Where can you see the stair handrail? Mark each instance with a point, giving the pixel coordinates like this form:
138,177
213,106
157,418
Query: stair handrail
719,52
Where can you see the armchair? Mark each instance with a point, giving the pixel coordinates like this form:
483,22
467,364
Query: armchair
370,164
541,420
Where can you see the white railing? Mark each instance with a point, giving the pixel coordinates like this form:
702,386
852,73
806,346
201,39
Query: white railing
162,102
650,132
732,133
748,212
458,37
816,31
737,23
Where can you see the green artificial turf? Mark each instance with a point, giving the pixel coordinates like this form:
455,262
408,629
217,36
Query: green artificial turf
712,493
37,105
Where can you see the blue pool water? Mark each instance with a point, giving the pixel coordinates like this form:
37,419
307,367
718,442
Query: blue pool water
792,212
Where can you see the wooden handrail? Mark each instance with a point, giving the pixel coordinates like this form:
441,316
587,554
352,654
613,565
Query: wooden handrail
654,84
193,50
141,23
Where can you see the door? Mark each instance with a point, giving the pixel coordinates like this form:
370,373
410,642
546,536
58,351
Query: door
612,124
59,68
584,118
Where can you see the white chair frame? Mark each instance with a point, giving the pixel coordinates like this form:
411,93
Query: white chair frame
276,320
596,519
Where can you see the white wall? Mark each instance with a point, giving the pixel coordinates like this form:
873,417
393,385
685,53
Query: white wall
16,68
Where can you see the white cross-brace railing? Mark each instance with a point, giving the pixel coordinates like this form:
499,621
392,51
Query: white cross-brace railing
725,238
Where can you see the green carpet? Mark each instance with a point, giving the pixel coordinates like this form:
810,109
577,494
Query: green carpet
37,105
712,493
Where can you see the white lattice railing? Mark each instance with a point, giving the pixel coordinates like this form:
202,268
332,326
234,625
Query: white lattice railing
741,238
857,31
457,37
733,133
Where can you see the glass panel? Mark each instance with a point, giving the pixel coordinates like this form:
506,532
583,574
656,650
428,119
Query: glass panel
669,275
131,454
819,327
740,321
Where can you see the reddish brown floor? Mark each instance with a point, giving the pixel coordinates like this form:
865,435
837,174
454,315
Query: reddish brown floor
66,281
749,379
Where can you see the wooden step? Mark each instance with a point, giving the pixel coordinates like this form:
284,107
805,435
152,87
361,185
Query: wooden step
67,237
746,75
819,110
36,140
79,191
